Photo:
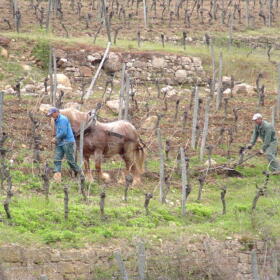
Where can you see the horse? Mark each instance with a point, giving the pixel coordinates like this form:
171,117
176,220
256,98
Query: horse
104,140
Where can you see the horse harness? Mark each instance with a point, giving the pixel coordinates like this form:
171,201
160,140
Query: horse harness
91,123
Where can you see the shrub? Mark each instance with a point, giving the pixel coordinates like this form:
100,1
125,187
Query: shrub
41,51
200,210
51,237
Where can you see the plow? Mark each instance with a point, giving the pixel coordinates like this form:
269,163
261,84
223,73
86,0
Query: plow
229,168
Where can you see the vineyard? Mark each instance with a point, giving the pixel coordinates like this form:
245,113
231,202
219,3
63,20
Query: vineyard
189,76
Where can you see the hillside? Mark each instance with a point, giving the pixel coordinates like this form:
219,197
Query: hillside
209,242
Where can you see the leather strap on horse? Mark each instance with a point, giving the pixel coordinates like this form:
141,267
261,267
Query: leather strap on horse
111,133
142,146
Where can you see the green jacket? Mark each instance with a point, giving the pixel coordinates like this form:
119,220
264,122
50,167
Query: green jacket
267,133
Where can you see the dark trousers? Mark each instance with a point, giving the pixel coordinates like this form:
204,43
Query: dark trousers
68,150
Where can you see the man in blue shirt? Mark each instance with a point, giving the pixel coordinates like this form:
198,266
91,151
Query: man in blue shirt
64,144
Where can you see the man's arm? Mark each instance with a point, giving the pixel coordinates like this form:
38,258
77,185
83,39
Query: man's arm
267,138
61,130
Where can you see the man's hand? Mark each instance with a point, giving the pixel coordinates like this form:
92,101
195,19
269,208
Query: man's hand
249,146
261,152
53,141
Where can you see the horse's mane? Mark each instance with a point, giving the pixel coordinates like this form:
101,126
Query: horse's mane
75,117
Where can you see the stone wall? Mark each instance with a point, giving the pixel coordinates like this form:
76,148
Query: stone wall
142,67
230,259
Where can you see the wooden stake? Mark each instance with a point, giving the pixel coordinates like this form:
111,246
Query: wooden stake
195,117
1,112
141,260
278,92
121,97
220,86
94,79
205,127
184,179
255,271
120,263
161,171
126,103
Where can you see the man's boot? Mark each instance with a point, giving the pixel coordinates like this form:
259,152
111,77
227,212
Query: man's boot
57,177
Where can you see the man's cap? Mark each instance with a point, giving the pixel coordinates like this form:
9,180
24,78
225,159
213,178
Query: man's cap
257,116
52,110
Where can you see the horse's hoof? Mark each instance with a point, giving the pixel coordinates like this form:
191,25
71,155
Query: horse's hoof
136,181
106,177
121,181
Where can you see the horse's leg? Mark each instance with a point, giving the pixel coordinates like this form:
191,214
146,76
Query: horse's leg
130,164
126,171
87,169
98,155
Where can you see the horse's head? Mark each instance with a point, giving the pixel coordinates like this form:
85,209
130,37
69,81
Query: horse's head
93,113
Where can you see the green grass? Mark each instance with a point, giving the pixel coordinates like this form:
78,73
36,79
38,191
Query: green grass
42,221
11,71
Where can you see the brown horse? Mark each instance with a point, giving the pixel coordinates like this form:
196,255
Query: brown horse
103,140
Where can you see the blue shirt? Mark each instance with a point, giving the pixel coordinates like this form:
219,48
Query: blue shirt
63,131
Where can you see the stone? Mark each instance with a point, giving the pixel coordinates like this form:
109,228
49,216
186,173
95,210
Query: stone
4,42
10,254
196,61
4,53
9,90
71,255
158,62
62,62
94,58
213,162
166,89
26,67
181,76
226,81
113,63
60,87
150,123
227,92
29,88
72,105
66,267
62,79
114,105
186,60
85,71
71,69
243,89
44,108
139,64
